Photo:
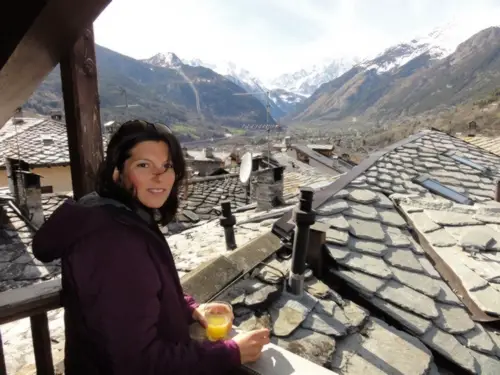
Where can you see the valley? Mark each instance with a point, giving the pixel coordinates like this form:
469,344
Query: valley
411,84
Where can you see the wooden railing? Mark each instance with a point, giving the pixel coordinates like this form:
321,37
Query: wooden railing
32,302
37,300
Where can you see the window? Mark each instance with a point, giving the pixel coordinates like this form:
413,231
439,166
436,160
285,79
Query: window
436,187
468,162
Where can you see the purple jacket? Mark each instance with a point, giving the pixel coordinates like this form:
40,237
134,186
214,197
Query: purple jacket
125,311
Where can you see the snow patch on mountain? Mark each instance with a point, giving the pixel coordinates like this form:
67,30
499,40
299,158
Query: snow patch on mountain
305,81
438,44
165,60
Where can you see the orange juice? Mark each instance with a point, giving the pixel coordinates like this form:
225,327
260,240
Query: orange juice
217,326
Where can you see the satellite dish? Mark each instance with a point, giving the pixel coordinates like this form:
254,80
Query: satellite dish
246,168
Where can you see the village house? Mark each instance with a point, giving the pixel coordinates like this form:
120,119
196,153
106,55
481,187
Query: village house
42,143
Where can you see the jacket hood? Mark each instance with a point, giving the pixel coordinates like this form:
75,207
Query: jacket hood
71,222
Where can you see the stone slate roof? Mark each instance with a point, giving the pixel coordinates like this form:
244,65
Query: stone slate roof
323,326
29,143
375,255
204,195
491,144
405,316
370,251
393,173
465,238
18,267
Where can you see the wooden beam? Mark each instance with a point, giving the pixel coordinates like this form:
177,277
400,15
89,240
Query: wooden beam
31,50
24,302
41,344
83,118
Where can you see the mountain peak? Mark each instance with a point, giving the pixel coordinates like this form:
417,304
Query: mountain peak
165,60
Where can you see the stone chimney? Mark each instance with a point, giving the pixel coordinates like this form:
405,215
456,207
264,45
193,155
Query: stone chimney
288,141
267,188
209,152
18,116
472,129
26,189
497,191
34,198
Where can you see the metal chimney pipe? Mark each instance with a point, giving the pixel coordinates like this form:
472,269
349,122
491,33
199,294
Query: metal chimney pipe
304,217
497,192
227,221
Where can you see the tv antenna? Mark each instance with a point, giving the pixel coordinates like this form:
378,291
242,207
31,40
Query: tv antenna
246,173
268,127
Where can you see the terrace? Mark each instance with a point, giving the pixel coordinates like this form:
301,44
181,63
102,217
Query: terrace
362,276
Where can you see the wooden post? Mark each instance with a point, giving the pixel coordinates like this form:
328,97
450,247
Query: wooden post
41,344
3,366
81,106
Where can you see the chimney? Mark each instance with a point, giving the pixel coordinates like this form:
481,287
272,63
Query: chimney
227,221
188,177
497,192
472,129
267,188
26,188
256,164
18,116
304,217
288,141
34,206
209,152
13,167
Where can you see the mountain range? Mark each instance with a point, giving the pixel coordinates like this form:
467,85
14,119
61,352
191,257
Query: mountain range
405,80
281,101
203,99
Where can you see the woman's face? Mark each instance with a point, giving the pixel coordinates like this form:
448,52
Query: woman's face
150,173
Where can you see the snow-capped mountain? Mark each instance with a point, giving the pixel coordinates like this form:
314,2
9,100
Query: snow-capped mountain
305,81
281,101
165,60
438,44
410,78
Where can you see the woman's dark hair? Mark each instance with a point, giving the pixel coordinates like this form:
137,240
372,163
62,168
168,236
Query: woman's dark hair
128,135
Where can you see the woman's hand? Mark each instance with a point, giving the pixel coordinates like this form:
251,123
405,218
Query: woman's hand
251,344
199,316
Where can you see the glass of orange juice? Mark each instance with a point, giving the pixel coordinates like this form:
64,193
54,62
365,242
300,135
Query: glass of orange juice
219,316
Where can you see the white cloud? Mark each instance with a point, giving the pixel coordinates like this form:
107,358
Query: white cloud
270,37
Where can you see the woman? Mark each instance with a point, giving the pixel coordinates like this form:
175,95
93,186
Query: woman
125,312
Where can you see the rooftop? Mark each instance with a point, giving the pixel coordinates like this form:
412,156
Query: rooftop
18,267
467,239
204,195
490,143
40,142
410,282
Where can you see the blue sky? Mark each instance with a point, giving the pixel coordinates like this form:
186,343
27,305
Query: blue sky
270,37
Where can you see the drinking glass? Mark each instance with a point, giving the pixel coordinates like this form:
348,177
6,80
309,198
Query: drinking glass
219,317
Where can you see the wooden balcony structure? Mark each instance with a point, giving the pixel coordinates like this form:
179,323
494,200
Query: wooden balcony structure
34,38
37,37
